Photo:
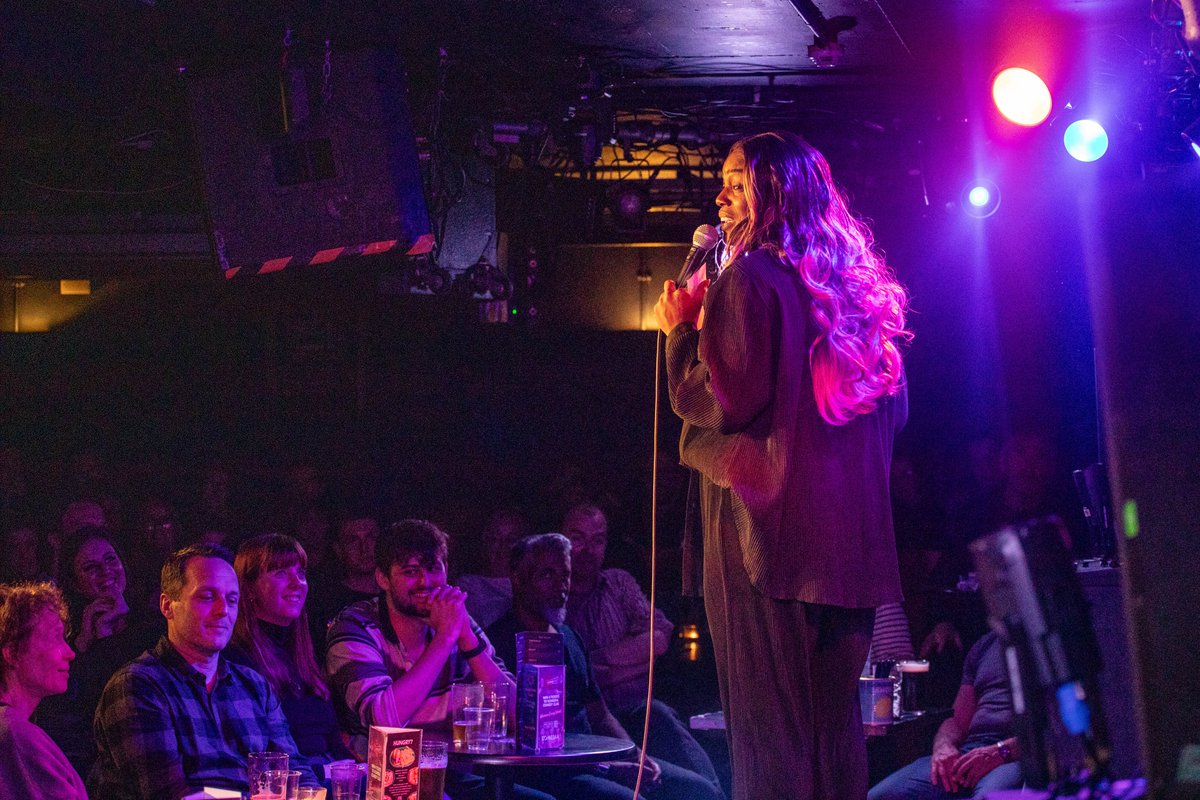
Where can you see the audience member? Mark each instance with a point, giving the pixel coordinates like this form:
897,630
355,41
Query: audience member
35,660
489,594
82,513
213,509
392,659
304,511
154,536
609,611
890,639
108,634
920,527
1032,485
974,751
88,477
23,551
540,570
351,576
181,717
14,486
215,537
272,636
157,530
1025,482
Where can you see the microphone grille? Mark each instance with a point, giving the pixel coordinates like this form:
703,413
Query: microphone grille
705,237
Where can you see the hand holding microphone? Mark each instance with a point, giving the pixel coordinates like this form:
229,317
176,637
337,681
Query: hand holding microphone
679,303
704,238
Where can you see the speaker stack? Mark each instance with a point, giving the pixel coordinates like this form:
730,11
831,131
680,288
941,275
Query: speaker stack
308,164
1146,308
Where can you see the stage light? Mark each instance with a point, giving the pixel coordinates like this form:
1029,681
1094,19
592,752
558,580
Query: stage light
629,207
1086,140
980,199
631,203
1021,96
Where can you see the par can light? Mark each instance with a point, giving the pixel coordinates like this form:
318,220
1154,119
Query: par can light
1021,96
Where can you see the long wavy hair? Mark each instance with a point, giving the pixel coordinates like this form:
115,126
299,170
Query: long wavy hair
291,668
798,213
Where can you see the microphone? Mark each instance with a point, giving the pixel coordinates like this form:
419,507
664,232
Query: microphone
703,239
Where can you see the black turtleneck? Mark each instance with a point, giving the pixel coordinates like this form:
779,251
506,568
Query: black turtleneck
311,718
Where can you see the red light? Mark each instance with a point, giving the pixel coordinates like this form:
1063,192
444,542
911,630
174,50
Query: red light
1021,96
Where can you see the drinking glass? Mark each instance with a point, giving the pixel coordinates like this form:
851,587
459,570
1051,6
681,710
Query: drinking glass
462,697
278,784
479,722
258,763
433,770
914,674
345,781
498,696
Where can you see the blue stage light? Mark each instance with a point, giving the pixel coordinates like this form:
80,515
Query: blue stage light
980,198
1086,140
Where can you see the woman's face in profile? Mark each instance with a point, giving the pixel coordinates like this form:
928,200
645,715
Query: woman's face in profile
44,660
98,570
732,206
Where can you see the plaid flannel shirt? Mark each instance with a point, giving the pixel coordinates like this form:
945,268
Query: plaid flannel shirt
161,734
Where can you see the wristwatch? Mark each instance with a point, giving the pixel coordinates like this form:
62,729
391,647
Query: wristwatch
1006,754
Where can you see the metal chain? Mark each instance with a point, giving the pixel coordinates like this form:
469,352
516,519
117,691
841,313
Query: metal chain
326,71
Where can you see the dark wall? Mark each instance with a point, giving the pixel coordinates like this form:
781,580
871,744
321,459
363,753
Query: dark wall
407,398
435,407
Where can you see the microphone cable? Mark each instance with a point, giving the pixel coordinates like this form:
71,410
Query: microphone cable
659,344
704,239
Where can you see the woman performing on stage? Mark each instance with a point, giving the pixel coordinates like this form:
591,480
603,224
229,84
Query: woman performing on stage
787,374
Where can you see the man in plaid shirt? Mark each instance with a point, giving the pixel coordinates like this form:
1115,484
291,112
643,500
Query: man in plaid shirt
179,718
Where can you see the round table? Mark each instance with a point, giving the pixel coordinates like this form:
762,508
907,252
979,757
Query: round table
499,763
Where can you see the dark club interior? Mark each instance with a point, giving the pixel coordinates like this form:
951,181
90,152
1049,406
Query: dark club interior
319,270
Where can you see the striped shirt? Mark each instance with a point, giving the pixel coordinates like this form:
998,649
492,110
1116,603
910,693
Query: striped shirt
890,640
160,733
365,658
616,609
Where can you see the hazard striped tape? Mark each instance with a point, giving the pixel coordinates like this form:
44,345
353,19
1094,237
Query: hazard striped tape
423,245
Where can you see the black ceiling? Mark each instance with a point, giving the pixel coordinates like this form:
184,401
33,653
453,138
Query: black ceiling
93,117
99,58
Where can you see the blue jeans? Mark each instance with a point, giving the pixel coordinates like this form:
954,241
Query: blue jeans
913,783
670,739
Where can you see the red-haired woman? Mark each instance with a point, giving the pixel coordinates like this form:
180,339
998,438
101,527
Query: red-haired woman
35,660
791,389
272,635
